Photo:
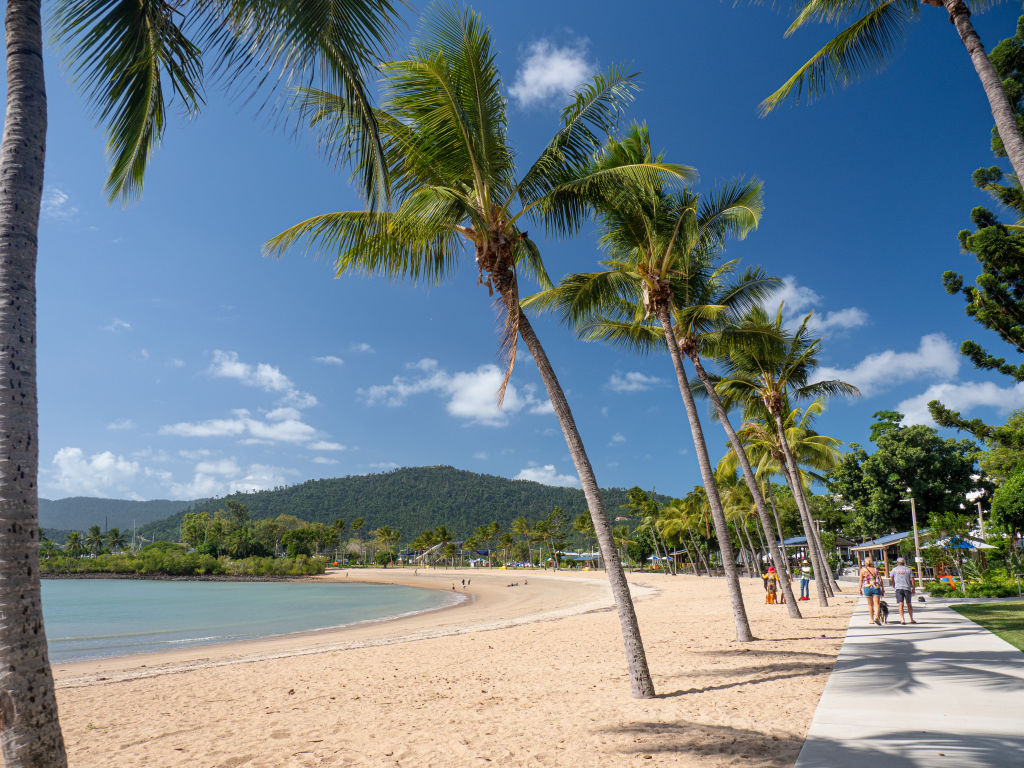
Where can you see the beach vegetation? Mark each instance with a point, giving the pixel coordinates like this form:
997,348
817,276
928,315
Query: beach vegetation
176,560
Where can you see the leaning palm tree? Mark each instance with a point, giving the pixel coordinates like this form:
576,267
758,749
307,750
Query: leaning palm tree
875,28
770,376
123,54
444,129
660,285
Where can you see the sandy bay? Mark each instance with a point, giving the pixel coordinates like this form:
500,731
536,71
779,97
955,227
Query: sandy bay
526,675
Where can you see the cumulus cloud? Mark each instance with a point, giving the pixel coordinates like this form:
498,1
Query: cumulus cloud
226,476
56,205
101,474
546,475
472,395
618,437
263,376
963,397
324,445
633,381
329,360
935,357
550,71
283,429
324,460
117,325
121,424
361,346
798,300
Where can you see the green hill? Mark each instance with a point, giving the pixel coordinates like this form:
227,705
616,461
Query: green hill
79,512
412,499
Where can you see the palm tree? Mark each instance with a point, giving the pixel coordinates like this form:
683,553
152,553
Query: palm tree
766,376
521,527
121,54
73,546
94,540
116,540
443,126
876,30
661,247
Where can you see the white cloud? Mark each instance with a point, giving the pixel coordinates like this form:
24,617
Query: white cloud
97,475
209,428
633,381
935,357
177,363
550,71
222,477
618,437
282,430
117,325
329,360
262,376
472,395
546,475
121,424
361,346
279,414
480,455
799,299
55,205
962,397
324,460
196,455
324,445
384,466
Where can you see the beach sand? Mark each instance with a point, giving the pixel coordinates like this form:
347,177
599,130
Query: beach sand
532,675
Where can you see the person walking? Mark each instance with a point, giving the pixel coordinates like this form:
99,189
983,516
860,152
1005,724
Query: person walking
805,580
903,582
871,585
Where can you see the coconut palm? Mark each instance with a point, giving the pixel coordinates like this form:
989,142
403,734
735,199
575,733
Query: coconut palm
73,546
94,540
676,522
444,130
116,540
122,54
875,28
660,279
769,376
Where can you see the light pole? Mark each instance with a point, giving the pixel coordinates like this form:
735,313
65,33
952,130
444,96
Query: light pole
917,542
981,522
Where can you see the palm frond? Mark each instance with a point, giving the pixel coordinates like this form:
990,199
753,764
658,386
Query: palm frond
119,53
859,49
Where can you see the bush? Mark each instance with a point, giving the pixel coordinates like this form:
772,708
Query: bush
175,561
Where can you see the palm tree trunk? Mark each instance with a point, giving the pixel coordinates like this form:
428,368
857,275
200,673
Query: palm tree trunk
750,548
641,685
793,478
703,560
781,567
1006,122
813,540
778,528
743,633
29,726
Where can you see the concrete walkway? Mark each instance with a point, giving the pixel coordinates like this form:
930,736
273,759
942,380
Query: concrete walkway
940,693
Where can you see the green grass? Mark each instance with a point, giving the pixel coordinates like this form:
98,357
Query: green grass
1005,620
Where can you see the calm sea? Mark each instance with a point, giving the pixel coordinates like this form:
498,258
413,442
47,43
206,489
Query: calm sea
97,618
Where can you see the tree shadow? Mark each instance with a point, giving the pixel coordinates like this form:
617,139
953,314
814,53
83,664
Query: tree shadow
704,740
908,749
762,674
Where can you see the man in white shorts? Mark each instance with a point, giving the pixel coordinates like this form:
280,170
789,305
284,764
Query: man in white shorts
903,582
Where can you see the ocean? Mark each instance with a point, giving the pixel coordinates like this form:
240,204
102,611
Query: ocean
99,618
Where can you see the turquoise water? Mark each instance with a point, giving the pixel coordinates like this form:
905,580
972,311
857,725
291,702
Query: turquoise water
98,618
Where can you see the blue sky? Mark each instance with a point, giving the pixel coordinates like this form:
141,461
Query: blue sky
176,362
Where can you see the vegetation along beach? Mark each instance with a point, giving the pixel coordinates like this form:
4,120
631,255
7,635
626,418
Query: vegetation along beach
429,383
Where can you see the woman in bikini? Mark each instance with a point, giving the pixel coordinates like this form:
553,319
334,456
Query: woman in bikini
871,586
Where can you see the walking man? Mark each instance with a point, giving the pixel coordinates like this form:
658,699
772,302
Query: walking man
903,582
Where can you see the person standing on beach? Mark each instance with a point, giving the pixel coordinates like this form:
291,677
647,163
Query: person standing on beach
805,580
903,582
871,585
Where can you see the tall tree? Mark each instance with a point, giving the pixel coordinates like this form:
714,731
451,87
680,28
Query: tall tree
660,286
123,54
873,30
444,128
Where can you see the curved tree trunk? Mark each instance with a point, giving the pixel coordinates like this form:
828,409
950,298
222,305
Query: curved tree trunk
781,567
29,727
703,561
793,478
739,612
778,527
640,681
1006,123
811,531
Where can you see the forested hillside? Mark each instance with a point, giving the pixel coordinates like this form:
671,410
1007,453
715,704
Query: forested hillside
79,512
411,499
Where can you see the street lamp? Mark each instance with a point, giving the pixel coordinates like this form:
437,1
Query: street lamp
981,522
917,542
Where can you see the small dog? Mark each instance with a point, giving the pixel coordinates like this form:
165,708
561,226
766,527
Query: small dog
883,611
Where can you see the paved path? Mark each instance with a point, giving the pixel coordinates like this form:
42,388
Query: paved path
940,693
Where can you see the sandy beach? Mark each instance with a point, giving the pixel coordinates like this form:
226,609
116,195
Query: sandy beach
513,676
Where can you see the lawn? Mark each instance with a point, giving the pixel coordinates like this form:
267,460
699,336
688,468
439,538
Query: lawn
1005,620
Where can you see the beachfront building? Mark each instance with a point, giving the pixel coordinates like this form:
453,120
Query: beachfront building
883,551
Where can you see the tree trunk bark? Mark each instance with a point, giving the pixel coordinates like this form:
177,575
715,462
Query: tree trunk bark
793,478
641,685
751,549
781,567
703,561
778,528
1006,123
29,726
743,633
